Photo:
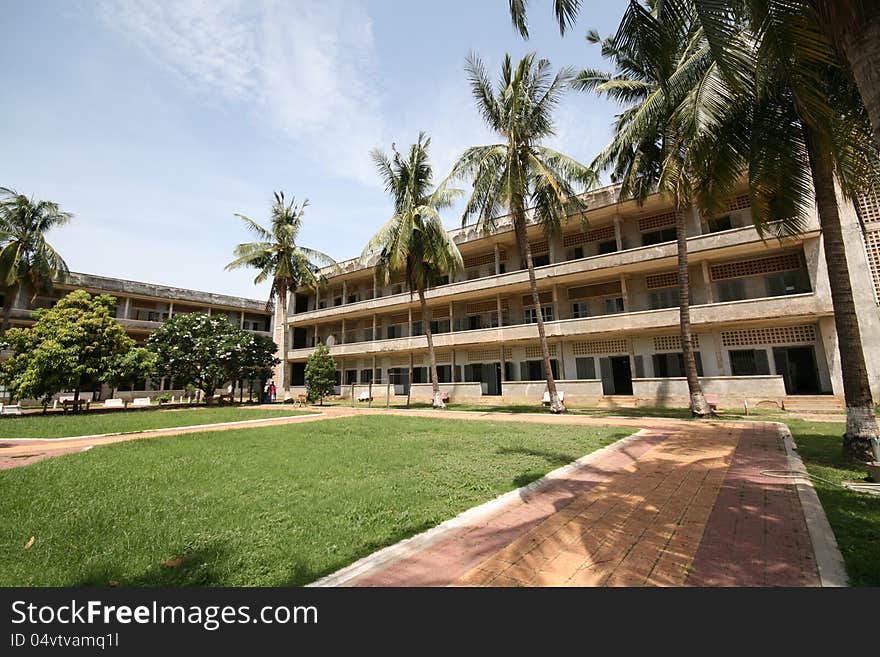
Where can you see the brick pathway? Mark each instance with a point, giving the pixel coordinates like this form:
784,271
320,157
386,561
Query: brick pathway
673,508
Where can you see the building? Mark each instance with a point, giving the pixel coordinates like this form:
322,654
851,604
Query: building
142,307
761,313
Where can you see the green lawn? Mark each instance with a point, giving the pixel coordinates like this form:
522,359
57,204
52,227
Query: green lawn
264,506
57,425
854,517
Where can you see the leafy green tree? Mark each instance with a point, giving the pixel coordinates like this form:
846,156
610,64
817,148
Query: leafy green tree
71,346
278,258
26,258
198,349
255,359
320,374
135,365
413,242
519,172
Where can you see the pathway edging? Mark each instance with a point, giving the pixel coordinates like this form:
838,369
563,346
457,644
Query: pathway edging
829,560
378,560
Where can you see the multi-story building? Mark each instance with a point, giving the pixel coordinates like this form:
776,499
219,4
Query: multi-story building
761,313
142,307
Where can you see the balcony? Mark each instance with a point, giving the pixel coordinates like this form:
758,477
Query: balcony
793,307
725,244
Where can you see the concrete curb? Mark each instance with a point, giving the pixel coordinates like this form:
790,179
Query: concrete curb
380,559
165,430
829,561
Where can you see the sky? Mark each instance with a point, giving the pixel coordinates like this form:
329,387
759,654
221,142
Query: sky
155,122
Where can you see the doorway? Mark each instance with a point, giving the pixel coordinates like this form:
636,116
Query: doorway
797,365
616,375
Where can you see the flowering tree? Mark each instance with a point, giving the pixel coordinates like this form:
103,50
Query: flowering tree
320,374
199,349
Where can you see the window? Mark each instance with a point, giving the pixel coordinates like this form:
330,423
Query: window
748,362
420,375
613,305
788,282
337,377
575,254
393,331
473,322
444,374
533,370
671,365
732,290
609,246
717,224
586,368
350,377
378,375
366,376
353,298
337,301
665,298
580,309
658,236
541,260
531,315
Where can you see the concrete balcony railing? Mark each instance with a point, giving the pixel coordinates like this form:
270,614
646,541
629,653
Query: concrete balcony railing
794,307
639,259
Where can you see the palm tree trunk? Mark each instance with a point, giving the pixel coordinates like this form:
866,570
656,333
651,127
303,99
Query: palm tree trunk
280,334
525,252
426,325
854,28
699,406
861,420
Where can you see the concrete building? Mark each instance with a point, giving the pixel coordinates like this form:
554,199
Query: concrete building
142,307
761,313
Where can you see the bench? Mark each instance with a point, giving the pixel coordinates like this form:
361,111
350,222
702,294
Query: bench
140,401
75,404
712,400
229,398
364,397
301,400
546,399
444,397
10,409
114,403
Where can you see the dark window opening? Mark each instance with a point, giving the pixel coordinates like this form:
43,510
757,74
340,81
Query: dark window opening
659,236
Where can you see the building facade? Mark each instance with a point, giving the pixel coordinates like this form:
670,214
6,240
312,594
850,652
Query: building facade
143,307
761,313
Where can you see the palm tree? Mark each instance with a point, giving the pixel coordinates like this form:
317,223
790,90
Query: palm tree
519,172
852,26
278,257
655,60
413,242
25,255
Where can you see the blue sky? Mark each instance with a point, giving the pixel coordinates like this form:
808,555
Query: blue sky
154,122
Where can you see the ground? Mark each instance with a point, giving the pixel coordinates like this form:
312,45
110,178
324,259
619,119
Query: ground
364,478
262,506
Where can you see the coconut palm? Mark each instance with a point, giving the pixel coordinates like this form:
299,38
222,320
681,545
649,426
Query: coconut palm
519,172
26,258
278,258
413,242
852,26
658,59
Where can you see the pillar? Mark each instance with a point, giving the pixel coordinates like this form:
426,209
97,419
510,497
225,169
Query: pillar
170,310
707,281
344,292
618,238
625,294
497,260
241,320
451,319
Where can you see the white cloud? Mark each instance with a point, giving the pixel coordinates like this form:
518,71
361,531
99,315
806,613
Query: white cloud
309,68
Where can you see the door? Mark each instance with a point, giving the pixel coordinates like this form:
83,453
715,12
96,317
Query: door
299,337
797,365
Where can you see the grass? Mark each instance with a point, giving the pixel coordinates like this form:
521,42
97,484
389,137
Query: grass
854,517
57,425
264,506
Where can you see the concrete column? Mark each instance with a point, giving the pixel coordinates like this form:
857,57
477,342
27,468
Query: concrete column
453,366
374,330
625,294
707,280
127,307
501,360
556,303
560,357
451,319
498,308
316,335
209,311
342,333
344,292
292,301
170,310
617,234
241,320
409,321
696,227
497,260
317,298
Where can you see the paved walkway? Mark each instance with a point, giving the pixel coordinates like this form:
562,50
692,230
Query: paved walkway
669,507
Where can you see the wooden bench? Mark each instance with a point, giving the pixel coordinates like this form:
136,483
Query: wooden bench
545,401
228,398
75,404
301,400
712,400
10,409
140,401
